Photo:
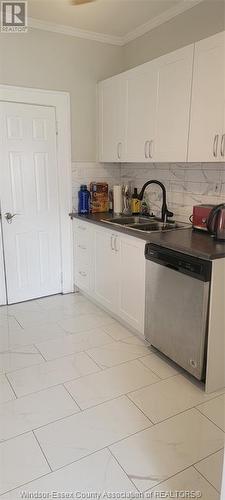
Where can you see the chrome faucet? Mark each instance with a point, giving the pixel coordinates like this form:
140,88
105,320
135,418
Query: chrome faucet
165,212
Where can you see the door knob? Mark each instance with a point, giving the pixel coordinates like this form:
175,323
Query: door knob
9,217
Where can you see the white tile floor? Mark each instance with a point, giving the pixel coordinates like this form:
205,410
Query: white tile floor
86,406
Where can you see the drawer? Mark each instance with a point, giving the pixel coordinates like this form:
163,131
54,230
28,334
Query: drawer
82,276
82,257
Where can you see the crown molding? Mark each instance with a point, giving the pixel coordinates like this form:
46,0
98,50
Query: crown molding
76,32
110,39
158,20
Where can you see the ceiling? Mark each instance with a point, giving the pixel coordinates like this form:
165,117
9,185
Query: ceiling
117,20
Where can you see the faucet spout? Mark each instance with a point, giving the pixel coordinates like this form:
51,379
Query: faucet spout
165,212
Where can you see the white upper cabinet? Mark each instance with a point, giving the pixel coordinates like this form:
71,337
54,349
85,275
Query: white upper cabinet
173,106
171,109
208,101
112,119
141,112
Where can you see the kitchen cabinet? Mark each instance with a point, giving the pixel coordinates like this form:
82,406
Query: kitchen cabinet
131,306
110,268
144,113
141,112
173,106
112,95
106,259
207,127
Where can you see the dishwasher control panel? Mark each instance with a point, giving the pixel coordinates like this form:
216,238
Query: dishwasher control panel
186,264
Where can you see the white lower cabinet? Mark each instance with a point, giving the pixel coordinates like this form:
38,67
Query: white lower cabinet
106,265
83,255
111,269
132,282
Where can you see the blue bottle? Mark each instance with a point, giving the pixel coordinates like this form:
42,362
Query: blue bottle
83,200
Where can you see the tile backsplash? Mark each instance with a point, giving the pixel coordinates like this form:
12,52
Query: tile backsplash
84,173
187,184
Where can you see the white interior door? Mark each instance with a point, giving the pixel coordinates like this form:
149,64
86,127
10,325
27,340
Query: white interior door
29,193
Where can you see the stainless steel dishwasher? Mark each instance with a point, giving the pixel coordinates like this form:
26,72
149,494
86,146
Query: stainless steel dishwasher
177,304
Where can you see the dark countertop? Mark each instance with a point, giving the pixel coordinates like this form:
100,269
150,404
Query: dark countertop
196,243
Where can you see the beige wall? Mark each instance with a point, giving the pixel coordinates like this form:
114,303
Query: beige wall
52,61
206,19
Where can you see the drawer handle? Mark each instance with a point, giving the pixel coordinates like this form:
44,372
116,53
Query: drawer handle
82,273
82,228
82,247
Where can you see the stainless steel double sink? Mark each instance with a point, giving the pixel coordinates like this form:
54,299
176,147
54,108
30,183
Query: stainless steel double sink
144,224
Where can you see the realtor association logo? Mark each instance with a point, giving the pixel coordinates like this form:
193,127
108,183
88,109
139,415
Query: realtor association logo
13,17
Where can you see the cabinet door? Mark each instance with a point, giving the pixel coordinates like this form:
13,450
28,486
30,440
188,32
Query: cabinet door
207,110
141,110
112,118
173,105
132,282
106,269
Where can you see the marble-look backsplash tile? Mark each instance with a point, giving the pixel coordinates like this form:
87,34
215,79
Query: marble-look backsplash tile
187,184
84,173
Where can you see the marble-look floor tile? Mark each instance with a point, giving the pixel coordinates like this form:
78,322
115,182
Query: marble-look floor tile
111,383
117,331
169,397
212,469
163,367
32,335
57,371
153,455
28,319
6,392
21,460
55,301
98,473
31,305
188,481
73,343
84,322
91,430
32,411
19,358
215,411
117,352
8,324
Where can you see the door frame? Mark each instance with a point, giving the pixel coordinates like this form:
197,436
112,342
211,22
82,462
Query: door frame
61,102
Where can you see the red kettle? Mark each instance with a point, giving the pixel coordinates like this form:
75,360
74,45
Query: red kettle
216,222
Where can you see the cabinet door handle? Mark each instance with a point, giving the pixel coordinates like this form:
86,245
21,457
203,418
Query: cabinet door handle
145,149
82,228
112,243
150,155
222,149
215,145
119,150
82,247
115,244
